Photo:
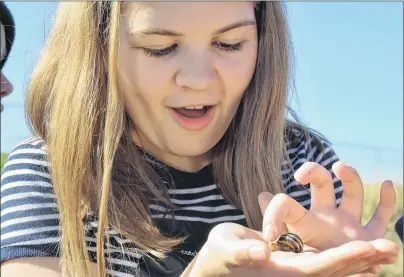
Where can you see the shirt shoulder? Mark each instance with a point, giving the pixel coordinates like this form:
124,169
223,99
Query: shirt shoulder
30,220
29,216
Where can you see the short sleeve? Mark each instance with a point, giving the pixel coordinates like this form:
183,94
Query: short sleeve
30,225
29,214
309,148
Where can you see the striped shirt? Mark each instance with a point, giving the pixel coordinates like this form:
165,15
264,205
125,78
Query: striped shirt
30,219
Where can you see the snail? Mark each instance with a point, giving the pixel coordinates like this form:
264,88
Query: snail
288,242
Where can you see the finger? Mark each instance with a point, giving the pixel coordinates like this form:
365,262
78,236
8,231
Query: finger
355,269
237,245
387,261
264,199
379,222
310,249
385,252
245,252
372,264
367,270
386,249
352,197
346,256
242,253
282,209
371,270
378,260
321,185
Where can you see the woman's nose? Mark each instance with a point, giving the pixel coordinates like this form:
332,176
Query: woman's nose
197,73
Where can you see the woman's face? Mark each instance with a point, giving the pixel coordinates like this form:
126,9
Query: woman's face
184,67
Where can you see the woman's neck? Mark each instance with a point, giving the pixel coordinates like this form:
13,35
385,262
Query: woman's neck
182,163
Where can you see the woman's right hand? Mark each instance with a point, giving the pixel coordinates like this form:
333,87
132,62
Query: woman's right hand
229,252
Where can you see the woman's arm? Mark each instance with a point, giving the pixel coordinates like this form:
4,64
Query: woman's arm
29,215
35,267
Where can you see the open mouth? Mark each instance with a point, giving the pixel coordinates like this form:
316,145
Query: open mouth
194,117
193,111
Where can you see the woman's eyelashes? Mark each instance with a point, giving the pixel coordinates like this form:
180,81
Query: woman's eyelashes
227,47
160,52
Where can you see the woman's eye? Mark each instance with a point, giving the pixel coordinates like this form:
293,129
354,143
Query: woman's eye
159,52
229,47
168,50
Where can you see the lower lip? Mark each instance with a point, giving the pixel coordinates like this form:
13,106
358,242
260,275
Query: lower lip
195,124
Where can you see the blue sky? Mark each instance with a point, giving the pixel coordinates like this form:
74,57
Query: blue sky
348,77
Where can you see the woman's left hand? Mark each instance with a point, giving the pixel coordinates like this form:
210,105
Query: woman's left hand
325,226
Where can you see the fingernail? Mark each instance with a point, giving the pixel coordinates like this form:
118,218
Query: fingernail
351,168
269,233
257,253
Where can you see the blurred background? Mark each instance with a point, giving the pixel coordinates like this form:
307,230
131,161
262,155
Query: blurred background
348,85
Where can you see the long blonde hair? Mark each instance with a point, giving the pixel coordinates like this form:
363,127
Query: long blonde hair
74,103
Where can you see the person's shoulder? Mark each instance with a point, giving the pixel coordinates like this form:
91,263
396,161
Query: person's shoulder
303,142
29,213
300,136
31,142
28,148
30,219
26,161
25,169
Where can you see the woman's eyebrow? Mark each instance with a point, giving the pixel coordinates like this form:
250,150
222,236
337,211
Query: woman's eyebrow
170,33
234,26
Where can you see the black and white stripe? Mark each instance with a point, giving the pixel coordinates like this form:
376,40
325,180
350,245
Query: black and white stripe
30,219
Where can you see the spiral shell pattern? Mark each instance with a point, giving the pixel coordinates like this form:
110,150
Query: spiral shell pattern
288,242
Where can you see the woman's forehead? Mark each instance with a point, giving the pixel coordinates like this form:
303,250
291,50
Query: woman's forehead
177,15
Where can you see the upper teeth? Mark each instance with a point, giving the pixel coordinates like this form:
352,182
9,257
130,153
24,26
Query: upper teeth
194,107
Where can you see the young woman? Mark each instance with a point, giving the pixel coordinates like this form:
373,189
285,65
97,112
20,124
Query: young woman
162,125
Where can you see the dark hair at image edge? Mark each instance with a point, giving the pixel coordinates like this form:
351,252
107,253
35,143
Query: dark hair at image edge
7,20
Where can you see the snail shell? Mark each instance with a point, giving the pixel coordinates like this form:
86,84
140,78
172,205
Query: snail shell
288,242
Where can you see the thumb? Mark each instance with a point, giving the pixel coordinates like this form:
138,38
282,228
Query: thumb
246,252
222,257
236,245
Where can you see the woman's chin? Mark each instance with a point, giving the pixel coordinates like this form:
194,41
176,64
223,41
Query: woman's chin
187,158
190,153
